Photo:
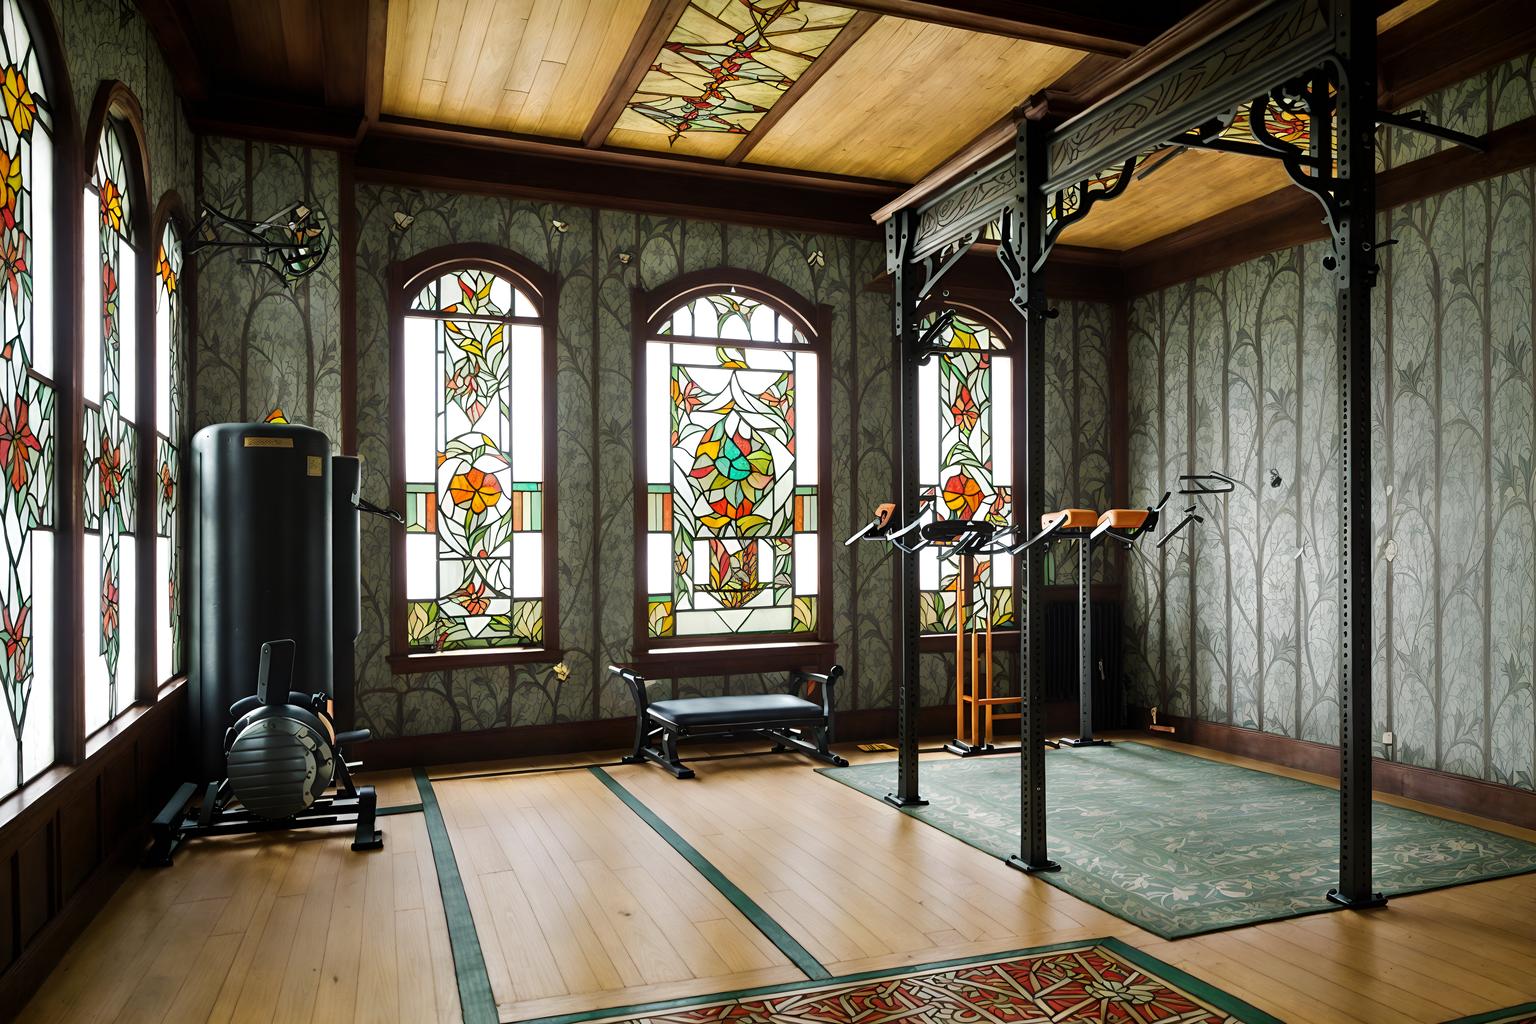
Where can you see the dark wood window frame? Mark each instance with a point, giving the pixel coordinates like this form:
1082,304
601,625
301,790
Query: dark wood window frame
406,278
754,652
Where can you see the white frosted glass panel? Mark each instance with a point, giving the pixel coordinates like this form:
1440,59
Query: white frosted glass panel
95,667
1002,570
527,564
162,362
806,579
37,736
696,355
928,569
90,305
658,563
523,306
807,426
762,328
128,616
928,417
128,333
422,383
42,259
1002,421
658,414
420,566
162,605
527,381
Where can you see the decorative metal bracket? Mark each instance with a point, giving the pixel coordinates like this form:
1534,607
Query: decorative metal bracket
291,243
1014,267
1071,204
937,265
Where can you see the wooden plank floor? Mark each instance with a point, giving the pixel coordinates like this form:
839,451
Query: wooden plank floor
578,904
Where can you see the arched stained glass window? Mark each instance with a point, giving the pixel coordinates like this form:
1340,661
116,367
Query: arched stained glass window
733,463
168,383
965,431
27,389
471,384
109,434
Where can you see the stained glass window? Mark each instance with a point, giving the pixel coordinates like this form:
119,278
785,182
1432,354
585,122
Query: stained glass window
965,452
168,354
472,376
109,435
27,392
732,494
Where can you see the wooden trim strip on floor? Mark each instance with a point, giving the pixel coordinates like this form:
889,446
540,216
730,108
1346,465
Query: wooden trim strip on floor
1161,969
476,1002
788,945
1508,1013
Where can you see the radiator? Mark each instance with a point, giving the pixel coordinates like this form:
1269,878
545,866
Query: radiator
1060,660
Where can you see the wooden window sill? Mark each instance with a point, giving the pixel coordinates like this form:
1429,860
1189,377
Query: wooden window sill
446,661
734,659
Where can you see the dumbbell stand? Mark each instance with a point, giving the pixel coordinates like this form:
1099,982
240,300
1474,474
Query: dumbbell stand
1084,738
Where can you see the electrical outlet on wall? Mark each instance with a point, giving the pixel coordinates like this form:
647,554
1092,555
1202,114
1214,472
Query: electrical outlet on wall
1387,740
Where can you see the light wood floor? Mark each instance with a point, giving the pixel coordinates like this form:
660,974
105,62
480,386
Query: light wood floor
579,904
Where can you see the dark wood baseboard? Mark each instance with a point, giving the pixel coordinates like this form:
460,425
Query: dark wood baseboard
1444,789
618,733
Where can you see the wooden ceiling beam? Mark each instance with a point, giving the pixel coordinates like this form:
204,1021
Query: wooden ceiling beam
176,43
1120,32
857,25
1450,42
581,176
653,30
373,72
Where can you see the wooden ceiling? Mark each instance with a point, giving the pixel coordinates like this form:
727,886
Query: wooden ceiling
854,98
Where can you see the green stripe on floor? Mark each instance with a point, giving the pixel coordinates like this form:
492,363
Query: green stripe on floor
798,954
476,1002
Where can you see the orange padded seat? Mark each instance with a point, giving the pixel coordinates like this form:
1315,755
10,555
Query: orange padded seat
1077,518
1124,518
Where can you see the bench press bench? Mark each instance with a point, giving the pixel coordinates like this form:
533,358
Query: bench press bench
791,721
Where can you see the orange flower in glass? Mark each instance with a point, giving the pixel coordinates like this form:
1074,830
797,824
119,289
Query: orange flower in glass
471,597
13,262
963,495
10,186
20,106
475,489
163,268
16,639
16,441
112,205
109,599
965,410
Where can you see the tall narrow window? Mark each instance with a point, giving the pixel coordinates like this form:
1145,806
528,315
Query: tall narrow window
168,342
109,435
732,472
27,389
965,442
470,383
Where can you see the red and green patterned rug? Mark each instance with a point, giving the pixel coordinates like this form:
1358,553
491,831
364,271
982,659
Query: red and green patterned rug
1522,1014
1088,982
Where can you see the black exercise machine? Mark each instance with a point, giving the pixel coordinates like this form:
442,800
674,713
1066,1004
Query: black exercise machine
800,719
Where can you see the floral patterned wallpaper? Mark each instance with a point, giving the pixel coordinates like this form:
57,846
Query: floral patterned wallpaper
260,347
1235,371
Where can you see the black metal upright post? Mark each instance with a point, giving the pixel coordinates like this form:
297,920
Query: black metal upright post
900,232
1354,27
1019,251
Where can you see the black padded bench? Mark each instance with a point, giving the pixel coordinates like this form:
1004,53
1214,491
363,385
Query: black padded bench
790,720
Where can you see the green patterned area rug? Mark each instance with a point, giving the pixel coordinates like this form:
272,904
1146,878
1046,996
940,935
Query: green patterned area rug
1182,845
1522,1014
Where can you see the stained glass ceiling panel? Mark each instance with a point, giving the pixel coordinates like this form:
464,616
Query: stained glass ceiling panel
722,67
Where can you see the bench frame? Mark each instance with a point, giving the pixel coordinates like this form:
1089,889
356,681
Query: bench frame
656,740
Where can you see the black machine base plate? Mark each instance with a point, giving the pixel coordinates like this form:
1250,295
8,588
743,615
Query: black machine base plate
1372,901
1020,864
896,801
1079,741
960,748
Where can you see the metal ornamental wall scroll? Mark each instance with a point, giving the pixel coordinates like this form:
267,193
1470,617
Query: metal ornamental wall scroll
291,243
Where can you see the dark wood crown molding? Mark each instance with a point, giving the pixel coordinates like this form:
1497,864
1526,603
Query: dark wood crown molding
1114,29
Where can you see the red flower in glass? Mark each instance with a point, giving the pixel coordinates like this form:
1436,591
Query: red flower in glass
167,482
109,466
109,603
962,495
15,636
109,293
472,597
13,260
16,439
964,409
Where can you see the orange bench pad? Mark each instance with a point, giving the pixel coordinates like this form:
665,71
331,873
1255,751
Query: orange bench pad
1077,518
1124,518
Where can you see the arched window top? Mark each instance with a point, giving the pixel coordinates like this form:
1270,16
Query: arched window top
969,329
109,180
474,290
731,316
726,304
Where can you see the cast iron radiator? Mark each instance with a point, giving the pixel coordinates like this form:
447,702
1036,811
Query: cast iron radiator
1060,662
